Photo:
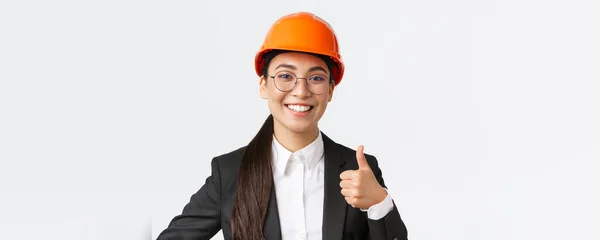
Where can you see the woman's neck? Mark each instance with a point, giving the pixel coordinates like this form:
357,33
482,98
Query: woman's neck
294,141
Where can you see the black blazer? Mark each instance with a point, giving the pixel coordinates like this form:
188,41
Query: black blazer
209,209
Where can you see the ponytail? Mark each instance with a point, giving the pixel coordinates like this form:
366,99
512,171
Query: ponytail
254,184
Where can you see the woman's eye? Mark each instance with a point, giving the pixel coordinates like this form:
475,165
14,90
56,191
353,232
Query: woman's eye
317,78
285,76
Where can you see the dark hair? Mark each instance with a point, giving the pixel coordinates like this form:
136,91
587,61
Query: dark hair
271,54
255,176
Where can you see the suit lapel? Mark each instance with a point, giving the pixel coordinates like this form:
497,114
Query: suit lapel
334,205
272,229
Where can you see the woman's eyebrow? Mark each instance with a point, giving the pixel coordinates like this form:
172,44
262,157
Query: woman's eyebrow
316,68
283,65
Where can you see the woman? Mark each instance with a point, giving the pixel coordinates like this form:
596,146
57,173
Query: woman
292,181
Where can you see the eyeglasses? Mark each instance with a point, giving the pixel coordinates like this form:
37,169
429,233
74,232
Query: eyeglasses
286,81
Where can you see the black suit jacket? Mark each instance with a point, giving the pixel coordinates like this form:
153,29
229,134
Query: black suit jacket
209,209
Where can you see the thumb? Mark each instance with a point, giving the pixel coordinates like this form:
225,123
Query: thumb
361,159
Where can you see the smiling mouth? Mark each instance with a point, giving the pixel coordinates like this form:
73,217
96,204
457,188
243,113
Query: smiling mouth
299,108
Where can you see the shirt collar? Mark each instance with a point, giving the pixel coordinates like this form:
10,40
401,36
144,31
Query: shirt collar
310,154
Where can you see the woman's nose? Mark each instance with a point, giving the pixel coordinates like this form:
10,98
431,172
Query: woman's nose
301,88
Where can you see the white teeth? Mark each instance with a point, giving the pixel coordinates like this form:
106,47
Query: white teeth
299,108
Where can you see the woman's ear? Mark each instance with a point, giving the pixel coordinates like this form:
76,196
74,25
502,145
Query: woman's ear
263,88
331,88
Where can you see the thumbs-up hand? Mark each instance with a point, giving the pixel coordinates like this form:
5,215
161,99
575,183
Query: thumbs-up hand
360,187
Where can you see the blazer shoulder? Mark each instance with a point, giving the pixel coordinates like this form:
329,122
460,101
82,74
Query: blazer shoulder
232,157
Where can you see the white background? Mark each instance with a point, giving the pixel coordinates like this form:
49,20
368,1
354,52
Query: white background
484,115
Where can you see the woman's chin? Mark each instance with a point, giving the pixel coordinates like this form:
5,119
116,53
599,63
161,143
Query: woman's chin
298,128
296,124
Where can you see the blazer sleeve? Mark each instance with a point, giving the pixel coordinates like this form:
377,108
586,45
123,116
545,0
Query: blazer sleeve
201,216
391,226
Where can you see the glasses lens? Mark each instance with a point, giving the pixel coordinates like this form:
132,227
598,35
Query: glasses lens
318,84
285,81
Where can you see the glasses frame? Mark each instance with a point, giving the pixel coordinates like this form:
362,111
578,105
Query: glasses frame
329,82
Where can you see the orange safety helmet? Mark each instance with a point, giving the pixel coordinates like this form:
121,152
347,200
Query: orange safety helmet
302,32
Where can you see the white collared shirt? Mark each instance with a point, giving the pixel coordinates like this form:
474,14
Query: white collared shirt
299,188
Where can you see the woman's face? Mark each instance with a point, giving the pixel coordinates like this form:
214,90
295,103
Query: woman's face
298,110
